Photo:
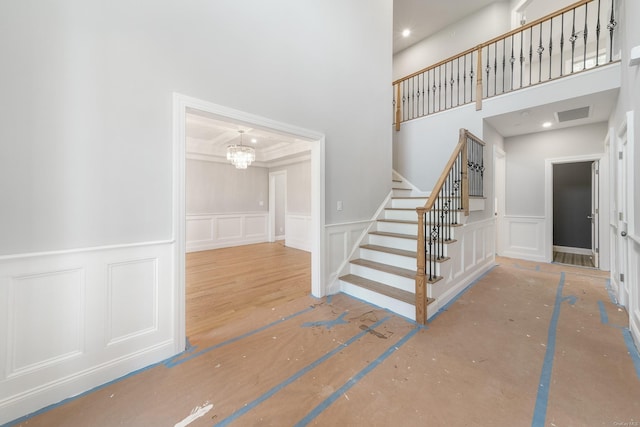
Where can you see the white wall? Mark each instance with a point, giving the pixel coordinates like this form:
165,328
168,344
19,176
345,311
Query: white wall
87,155
298,186
482,26
213,187
525,172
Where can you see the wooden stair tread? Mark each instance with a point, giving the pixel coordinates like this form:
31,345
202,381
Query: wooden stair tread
396,180
398,271
381,288
406,221
409,197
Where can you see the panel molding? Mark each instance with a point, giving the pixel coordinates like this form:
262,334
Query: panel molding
222,230
298,231
524,237
34,375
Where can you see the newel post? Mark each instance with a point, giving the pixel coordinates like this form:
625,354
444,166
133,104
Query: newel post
465,172
421,278
398,109
479,81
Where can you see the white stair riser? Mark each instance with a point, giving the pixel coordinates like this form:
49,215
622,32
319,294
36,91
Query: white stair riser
408,203
404,283
393,242
399,228
402,192
389,259
399,307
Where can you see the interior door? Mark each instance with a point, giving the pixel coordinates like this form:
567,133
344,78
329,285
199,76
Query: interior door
621,218
595,217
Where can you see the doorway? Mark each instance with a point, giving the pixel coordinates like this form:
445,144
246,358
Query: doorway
590,219
181,104
575,190
277,205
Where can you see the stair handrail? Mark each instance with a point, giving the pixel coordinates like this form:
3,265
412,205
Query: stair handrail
450,194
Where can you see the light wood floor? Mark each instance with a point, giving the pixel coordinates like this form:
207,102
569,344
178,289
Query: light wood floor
224,285
526,345
573,259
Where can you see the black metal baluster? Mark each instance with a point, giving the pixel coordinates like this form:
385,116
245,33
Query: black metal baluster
433,99
530,53
404,98
573,39
428,90
550,44
464,81
458,82
584,37
471,74
495,68
521,56
561,44
611,26
423,112
487,69
452,81
504,63
439,88
540,50
598,36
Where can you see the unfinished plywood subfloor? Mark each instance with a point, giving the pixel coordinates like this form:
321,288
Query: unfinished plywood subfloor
528,344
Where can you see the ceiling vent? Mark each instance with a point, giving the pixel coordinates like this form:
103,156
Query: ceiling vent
575,114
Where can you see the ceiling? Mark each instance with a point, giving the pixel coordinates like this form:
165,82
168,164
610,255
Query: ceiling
209,135
426,17
600,106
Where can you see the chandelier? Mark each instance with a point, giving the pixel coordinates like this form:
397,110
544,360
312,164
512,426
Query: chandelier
241,155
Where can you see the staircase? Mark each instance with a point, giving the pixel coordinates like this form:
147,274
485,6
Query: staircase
383,270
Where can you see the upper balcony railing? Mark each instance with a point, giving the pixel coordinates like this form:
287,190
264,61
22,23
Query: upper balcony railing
571,40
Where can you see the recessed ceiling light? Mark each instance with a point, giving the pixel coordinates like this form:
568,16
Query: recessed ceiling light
547,124
253,140
406,32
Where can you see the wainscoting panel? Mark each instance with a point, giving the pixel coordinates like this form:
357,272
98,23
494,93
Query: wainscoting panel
634,287
73,320
298,231
524,237
213,231
133,290
46,312
473,255
341,241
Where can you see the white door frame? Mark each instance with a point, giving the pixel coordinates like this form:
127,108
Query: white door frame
499,192
272,203
548,193
180,105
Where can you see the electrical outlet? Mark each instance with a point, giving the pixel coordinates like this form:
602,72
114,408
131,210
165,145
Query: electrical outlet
339,206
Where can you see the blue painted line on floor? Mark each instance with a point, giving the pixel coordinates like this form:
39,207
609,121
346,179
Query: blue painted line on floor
540,410
455,298
249,406
354,380
632,349
612,295
604,318
329,299
180,359
327,323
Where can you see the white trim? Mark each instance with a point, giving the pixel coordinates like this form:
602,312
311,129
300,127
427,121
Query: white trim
342,224
180,104
548,196
271,236
83,250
